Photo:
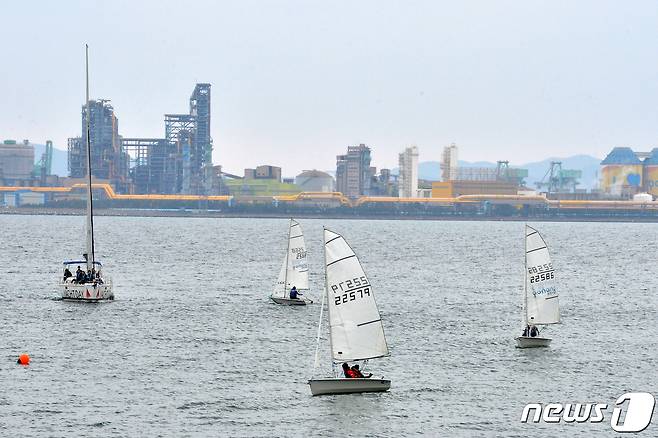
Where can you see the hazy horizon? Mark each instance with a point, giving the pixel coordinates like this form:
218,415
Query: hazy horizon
294,82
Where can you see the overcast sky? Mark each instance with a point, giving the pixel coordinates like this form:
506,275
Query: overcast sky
295,82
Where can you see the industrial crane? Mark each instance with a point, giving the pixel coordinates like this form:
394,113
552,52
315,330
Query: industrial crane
44,166
558,180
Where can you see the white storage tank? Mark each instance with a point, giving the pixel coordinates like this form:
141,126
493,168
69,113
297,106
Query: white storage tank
314,181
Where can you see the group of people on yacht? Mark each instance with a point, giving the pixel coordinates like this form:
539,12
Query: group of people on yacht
82,277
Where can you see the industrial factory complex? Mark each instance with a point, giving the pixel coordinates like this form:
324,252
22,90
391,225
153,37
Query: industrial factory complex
176,172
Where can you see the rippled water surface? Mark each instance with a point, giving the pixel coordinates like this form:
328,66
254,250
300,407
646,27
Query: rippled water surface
193,347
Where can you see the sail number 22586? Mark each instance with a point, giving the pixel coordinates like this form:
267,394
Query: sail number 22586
541,272
350,290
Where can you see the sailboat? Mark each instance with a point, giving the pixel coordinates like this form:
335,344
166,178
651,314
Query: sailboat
540,296
91,284
294,270
356,332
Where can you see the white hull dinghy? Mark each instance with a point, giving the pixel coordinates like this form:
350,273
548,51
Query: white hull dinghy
294,270
356,332
89,284
289,301
348,386
540,295
530,342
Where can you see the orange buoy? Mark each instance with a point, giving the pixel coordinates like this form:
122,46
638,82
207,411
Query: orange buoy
23,359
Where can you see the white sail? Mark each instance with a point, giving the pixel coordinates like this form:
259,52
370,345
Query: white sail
279,287
294,269
298,264
356,329
541,290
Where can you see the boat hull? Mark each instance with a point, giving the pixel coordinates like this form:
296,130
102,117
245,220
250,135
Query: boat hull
289,301
532,342
87,292
348,386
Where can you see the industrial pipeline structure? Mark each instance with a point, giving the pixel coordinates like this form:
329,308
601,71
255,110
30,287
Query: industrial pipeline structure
328,202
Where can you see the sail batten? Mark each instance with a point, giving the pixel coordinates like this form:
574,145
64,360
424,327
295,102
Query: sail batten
541,293
355,327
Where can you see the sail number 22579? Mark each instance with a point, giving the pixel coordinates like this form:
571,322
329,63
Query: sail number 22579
350,290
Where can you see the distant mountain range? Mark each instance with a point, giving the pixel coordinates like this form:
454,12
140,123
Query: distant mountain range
431,170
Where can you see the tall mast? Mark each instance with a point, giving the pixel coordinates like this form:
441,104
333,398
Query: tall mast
90,204
525,276
324,292
285,278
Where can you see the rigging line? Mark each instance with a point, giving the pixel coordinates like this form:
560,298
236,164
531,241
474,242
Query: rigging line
285,278
317,344
340,260
90,200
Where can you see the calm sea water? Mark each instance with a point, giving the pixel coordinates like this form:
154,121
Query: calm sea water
193,347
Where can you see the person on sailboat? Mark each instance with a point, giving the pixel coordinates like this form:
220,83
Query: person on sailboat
79,275
294,293
348,372
67,273
359,374
530,331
